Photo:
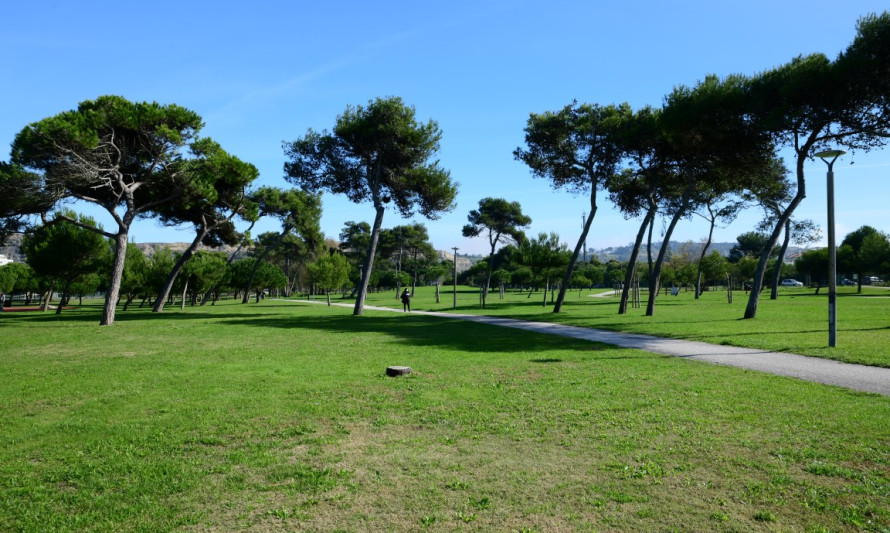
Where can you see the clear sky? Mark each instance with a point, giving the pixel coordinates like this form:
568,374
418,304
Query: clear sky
262,72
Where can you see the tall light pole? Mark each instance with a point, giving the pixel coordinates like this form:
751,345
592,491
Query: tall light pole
831,155
455,277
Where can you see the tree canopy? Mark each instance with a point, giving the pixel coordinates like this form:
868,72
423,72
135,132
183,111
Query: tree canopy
378,153
501,222
123,156
576,148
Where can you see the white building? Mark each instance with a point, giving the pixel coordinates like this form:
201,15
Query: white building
4,260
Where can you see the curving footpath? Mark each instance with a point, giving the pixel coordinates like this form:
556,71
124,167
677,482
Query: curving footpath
856,377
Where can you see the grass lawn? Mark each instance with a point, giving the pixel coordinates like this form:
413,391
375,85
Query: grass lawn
797,322
277,416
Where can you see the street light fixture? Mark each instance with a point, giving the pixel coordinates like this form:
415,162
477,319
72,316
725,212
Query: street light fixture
830,156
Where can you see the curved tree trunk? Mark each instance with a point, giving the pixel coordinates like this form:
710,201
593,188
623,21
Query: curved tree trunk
632,264
177,268
774,292
256,264
649,247
704,251
757,284
185,289
571,266
490,267
369,260
49,294
64,298
655,278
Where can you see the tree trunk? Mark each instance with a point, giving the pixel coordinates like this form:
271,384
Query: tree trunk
488,279
774,292
757,284
704,251
546,288
571,266
369,260
177,268
117,273
256,264
64,297
185,288
49,294
649,247
632,264
662,253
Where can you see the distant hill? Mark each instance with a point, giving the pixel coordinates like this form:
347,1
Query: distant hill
463,262
622,253
149,248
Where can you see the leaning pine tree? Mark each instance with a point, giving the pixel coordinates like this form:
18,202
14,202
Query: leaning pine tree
378,153
123,156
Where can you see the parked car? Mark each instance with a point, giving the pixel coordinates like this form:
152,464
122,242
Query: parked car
848,282
791,283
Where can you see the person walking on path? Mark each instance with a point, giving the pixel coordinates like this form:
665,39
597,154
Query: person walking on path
406,301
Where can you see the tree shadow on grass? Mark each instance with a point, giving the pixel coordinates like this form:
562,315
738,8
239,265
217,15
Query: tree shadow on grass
427,331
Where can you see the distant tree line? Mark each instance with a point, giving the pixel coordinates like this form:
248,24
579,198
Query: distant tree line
709,150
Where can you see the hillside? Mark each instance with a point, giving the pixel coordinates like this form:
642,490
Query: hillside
622,253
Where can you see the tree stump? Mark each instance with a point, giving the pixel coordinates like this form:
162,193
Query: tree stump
393,371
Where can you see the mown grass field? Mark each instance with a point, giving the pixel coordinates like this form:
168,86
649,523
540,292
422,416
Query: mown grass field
797,322
277,416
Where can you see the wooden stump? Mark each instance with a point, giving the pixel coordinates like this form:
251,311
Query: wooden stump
393,371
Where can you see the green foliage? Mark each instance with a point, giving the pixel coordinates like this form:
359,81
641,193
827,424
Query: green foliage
9,275
266,275
21,196
330,272
864,251
65,252
205,271
136,272
500,220
377,152
752,243
123,156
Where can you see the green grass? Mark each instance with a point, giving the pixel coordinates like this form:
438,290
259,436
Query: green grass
278,417
797,322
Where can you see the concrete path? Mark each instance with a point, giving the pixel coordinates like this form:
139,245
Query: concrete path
856,377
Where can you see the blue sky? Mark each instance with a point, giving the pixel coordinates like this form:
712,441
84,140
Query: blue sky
262,73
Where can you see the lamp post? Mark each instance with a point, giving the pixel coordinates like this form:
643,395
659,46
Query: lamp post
830,156
455,277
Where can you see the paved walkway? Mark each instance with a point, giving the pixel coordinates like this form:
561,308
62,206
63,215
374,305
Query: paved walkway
857,377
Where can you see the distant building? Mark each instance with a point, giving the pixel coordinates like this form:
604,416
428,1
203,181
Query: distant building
4,260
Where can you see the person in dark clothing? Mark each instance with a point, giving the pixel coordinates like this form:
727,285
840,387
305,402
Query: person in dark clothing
406,301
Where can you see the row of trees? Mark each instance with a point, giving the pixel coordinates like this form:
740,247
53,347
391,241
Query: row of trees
141,160
67,258
705,148
717,143
863,253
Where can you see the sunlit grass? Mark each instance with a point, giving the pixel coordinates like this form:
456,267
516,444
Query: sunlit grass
797,322
277,416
